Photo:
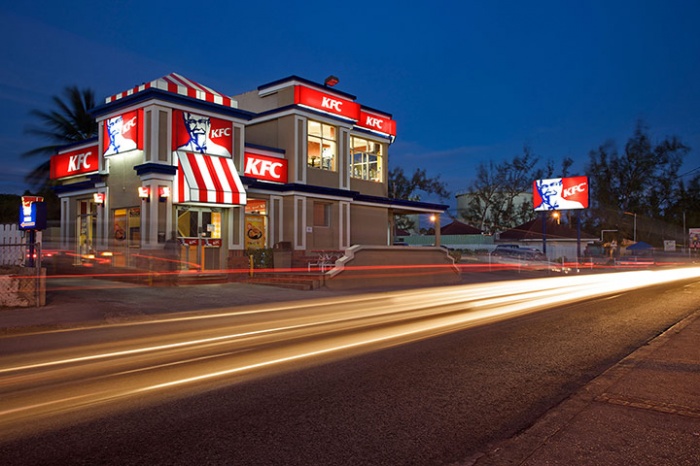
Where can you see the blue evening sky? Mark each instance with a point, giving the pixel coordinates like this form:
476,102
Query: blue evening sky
466,81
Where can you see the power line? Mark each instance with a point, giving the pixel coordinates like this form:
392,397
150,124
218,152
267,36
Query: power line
688,173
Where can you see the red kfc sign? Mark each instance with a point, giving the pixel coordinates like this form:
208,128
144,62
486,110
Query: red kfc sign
202,134
326,102
77,162
122,133
560,193
377,122
266,168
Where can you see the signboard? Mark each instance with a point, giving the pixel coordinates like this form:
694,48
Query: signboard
669,245
560,193
694,234
202,134
73,163
376,122
255,232
266,168
122,133
206,242
32,215
326,102
329,103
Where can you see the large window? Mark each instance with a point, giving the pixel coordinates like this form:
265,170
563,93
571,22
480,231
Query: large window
365,159
322,149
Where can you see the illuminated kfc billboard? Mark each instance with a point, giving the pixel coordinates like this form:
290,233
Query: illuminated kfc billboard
560,193
122,133
73,163
202,134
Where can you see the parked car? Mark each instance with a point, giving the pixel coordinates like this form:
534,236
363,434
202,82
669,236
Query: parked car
518,252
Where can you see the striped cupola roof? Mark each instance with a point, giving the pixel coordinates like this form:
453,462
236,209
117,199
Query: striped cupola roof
178,84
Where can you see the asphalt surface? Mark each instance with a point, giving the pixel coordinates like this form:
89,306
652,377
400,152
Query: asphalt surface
645,410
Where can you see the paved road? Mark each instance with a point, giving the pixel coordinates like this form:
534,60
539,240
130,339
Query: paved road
437,401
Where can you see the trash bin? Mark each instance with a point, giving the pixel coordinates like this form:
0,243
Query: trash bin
282,255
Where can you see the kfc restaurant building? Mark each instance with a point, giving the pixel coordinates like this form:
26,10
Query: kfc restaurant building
293,163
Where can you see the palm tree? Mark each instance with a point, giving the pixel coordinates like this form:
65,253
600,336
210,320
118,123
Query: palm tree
71,122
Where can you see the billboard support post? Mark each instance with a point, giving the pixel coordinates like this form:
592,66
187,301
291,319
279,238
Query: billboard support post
578,236
544,233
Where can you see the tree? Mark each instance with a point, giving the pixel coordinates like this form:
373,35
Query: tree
9,208
498,195
640,182
685,210
402,187
69,123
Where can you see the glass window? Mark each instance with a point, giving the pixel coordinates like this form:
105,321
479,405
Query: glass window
322,146
193,223
322,214
127,226
366,159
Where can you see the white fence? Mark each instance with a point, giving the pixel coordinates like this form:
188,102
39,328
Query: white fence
12,245
20,286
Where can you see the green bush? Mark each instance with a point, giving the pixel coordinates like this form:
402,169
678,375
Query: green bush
456,254
262,258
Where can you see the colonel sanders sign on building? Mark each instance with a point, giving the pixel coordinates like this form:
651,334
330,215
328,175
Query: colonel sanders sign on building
202,134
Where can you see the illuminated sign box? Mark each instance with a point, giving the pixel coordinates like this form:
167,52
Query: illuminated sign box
560,193
74,163
122,133
266,168
32,216
377,122
202,134
326,102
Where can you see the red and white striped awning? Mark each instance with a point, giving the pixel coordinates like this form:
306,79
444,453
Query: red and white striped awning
179,85
208,179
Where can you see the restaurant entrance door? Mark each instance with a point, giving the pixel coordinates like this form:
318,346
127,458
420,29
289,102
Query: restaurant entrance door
199,231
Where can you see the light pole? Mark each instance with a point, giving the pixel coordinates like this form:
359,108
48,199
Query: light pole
435,220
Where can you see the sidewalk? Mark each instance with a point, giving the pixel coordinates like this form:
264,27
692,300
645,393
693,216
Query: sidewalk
79,302
643,411
72,302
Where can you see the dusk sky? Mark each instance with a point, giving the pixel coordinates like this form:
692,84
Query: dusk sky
466,81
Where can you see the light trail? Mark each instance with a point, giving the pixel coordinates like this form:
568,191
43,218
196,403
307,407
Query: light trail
280,337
